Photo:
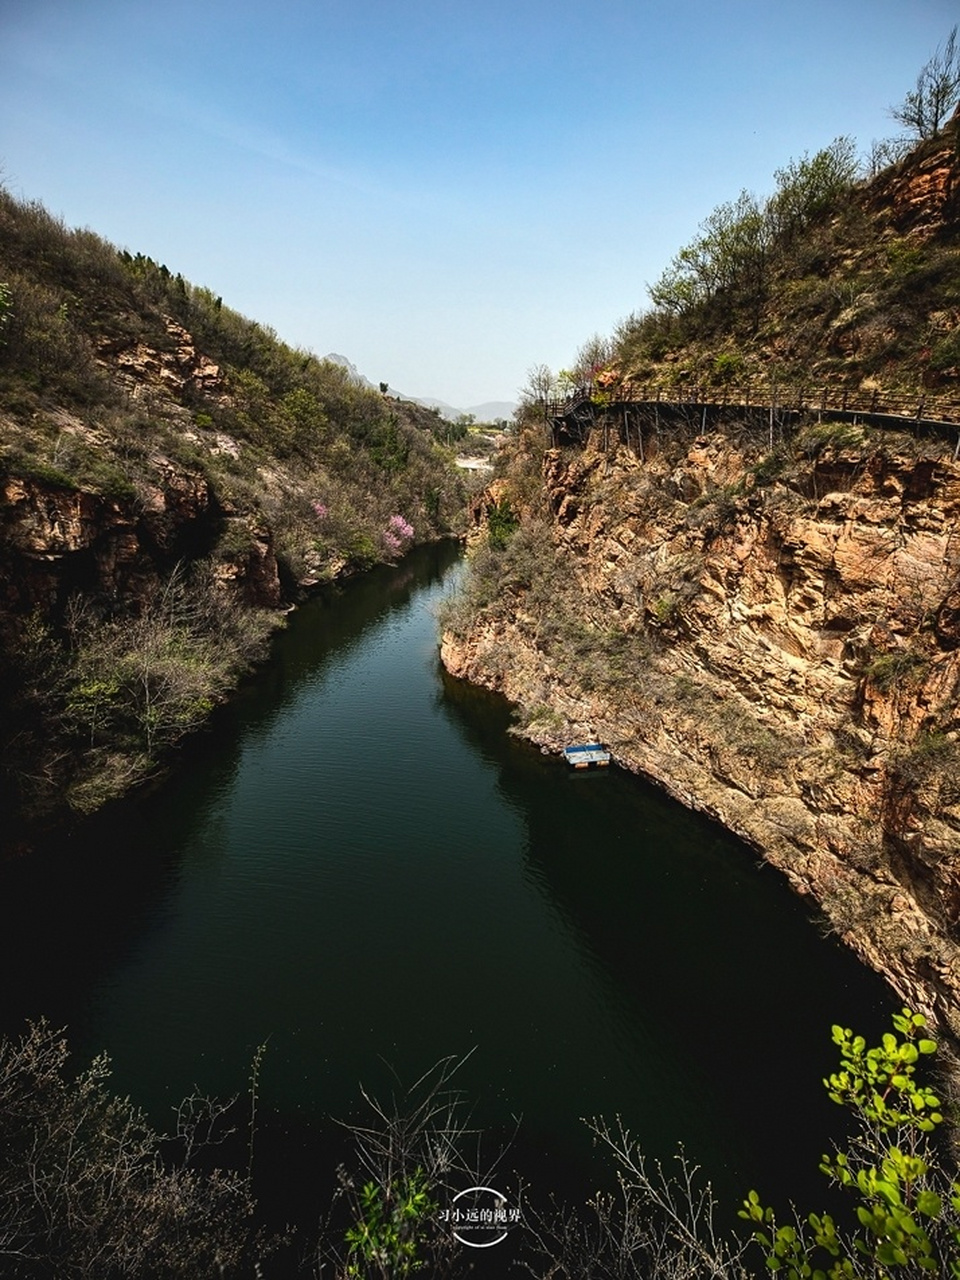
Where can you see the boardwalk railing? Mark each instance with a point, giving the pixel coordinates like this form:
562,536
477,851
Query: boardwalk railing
901,404
628,412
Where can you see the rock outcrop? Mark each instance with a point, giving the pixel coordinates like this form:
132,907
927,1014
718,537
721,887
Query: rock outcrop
56,541
923,196
178,369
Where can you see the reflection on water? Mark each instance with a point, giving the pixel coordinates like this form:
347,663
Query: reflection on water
360,867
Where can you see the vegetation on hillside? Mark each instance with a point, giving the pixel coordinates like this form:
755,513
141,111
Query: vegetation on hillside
823,283
83,327
844,275
195,475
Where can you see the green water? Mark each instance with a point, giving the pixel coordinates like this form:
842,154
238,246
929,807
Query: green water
359,866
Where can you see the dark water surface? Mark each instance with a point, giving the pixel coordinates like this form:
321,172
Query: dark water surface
359,865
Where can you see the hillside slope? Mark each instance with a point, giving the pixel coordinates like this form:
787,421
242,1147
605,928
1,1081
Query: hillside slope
172,479
833,281
763,617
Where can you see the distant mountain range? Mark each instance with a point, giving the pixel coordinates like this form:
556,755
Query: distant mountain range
489,411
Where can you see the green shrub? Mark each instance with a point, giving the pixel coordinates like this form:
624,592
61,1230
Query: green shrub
770,466
362,551
665,608
890,670
946,352
907,1219
904,257
501,524
728,365
931,753
818,436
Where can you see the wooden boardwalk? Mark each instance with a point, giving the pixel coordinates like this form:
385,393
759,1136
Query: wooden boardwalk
640,406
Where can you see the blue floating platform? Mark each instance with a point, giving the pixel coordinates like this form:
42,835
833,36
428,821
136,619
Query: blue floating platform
587,755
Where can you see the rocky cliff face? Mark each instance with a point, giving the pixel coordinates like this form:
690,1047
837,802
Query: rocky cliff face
178,370
55,542
113,538
773,638
923,195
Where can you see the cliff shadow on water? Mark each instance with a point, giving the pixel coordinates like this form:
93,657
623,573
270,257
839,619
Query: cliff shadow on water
706,963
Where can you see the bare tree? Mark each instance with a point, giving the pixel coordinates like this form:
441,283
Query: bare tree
89,1188
592,357
661,1225
541,385
926,107
411,1155
885,152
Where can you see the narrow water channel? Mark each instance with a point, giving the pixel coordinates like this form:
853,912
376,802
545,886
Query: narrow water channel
359,866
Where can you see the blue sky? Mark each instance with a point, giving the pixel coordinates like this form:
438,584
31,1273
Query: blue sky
447,192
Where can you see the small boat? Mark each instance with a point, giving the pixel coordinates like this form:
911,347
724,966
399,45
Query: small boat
587,755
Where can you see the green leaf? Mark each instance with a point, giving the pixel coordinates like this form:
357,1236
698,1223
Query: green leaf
929,1204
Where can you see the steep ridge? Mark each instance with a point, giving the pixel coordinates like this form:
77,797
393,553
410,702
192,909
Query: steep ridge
861,291
173,478
767,625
